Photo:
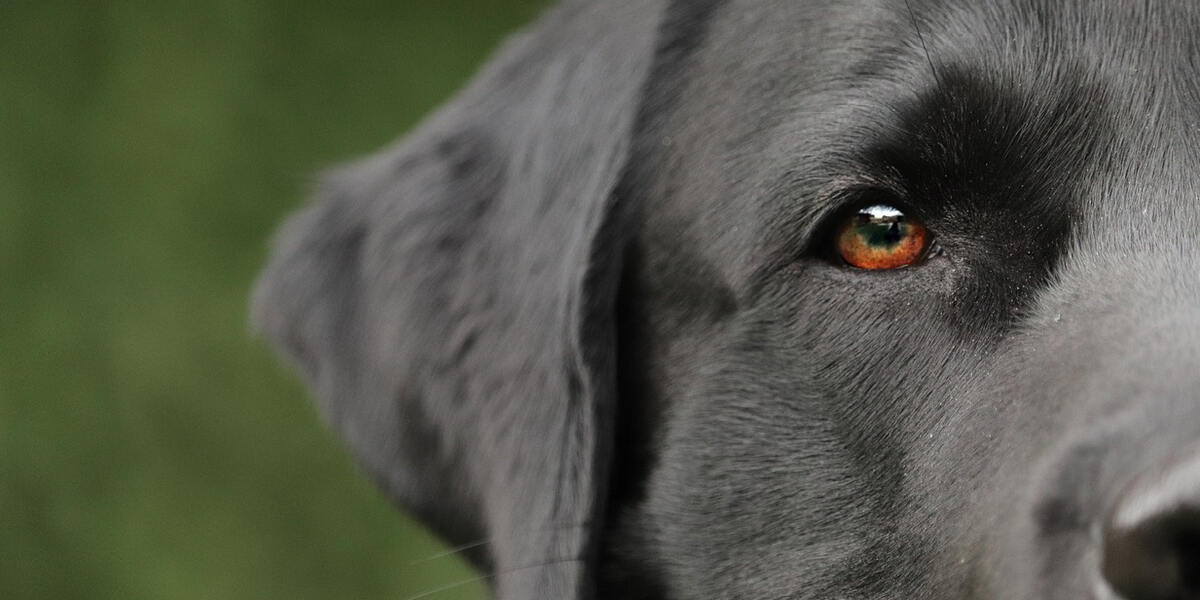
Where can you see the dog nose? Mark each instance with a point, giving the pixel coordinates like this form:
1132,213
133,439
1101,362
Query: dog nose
1152,537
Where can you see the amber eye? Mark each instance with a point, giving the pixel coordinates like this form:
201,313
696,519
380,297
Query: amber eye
881,237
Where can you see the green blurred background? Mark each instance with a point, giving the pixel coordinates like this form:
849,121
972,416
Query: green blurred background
149,446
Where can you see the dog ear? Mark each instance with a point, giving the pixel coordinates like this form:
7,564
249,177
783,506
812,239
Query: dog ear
450,300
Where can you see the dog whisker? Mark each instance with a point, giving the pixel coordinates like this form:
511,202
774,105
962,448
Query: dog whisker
487,576
453,551
921,38
461,548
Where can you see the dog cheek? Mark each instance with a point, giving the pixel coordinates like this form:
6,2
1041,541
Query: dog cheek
803,441
755,484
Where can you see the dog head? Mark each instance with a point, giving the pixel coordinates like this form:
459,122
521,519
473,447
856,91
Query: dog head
609,308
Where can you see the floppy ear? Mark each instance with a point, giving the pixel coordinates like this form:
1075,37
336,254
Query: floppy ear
450,300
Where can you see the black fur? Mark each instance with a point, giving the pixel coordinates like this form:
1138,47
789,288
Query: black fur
589,312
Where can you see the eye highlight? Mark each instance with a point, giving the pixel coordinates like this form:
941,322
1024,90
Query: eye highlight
881,237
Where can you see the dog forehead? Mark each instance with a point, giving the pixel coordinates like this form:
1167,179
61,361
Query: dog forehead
1132,43
830,72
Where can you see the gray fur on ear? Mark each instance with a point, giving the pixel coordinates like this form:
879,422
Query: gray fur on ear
450,300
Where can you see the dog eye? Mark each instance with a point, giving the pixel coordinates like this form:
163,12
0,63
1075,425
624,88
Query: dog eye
881,237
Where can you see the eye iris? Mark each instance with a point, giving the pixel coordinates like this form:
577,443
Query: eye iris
881,237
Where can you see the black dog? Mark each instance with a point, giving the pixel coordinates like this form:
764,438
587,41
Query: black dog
785,299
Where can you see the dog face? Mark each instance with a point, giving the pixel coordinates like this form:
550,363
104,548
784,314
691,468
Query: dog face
602,310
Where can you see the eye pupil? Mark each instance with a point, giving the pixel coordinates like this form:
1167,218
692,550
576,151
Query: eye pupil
881,237
881,234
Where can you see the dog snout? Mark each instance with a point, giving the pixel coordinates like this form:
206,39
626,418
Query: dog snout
1152,535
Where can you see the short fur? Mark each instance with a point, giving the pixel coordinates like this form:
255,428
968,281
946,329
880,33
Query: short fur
589,313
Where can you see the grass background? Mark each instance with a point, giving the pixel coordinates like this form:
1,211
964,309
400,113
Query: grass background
149,447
